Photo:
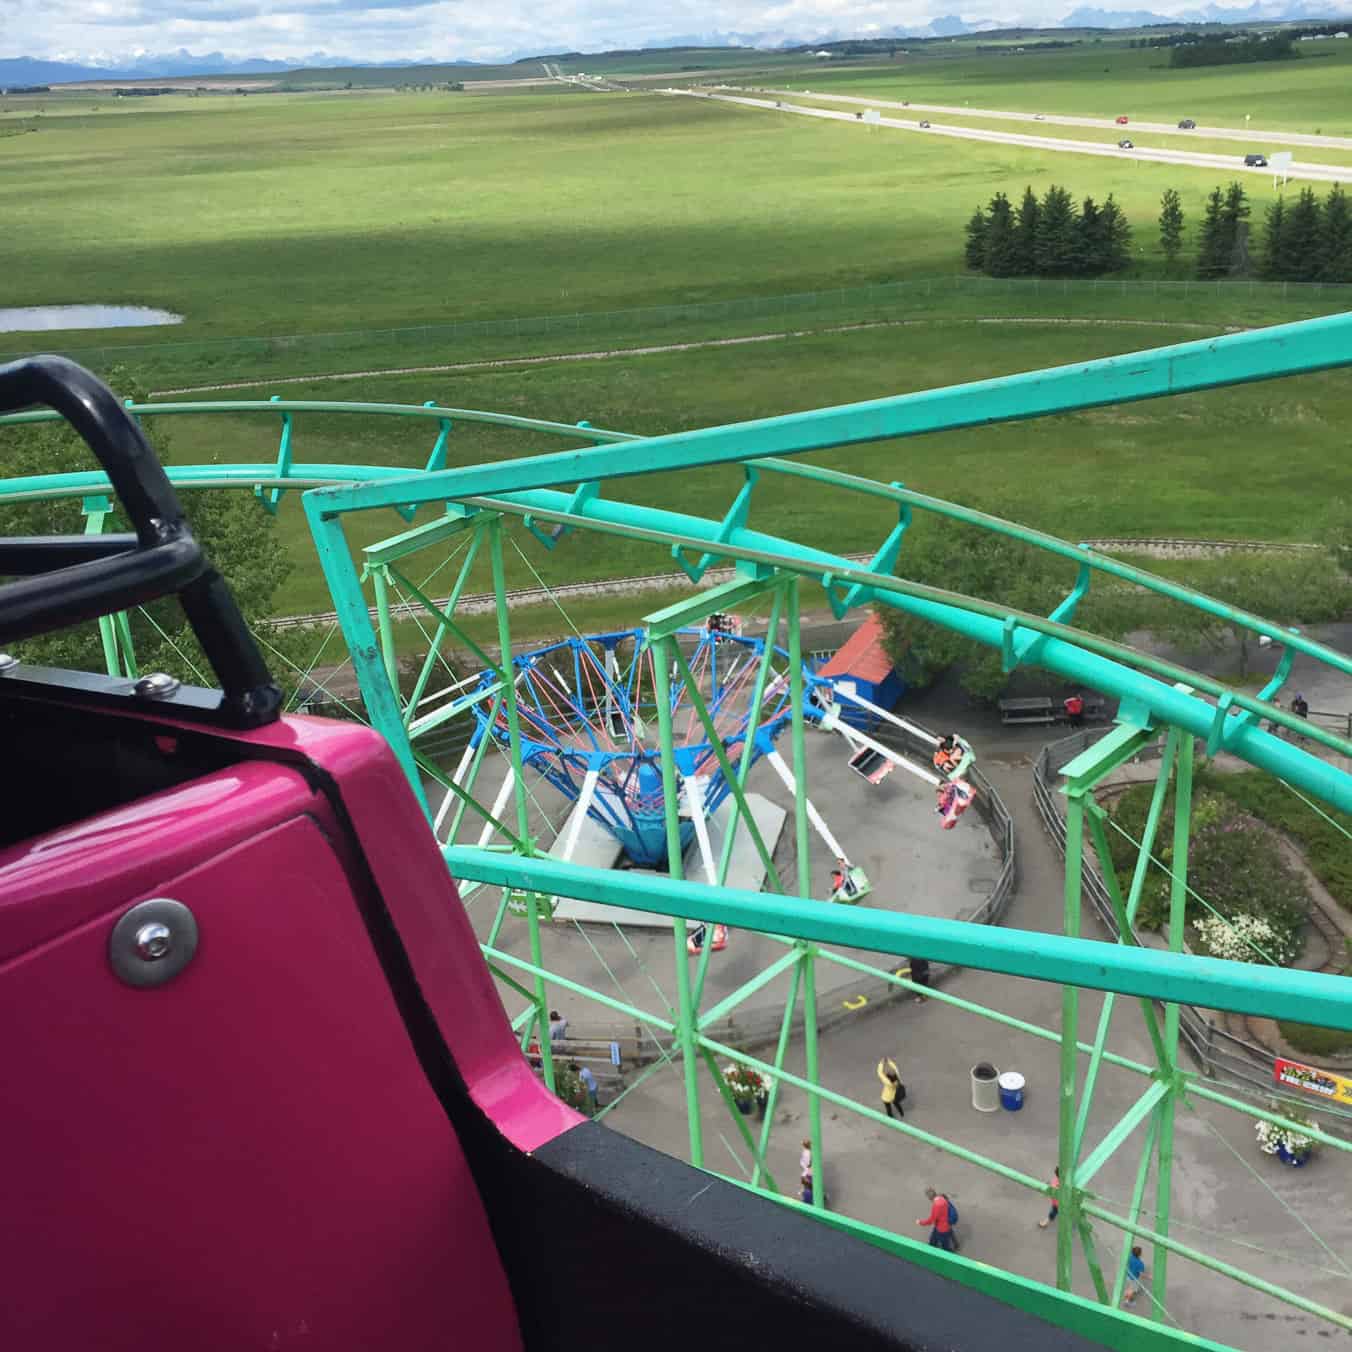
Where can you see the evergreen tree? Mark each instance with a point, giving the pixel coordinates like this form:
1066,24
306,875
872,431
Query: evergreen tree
1301,239
1335,251
1025,234
975,249
1001,255
1171,225
1274,230
1116,237
1212,255
1235,230
1089,240
1055,247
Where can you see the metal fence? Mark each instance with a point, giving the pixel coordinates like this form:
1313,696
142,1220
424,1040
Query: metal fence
1218,1053
589,324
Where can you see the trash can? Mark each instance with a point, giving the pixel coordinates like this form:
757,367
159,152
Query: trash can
985,1089
1011,1091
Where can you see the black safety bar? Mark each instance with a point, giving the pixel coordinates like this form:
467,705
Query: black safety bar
66,579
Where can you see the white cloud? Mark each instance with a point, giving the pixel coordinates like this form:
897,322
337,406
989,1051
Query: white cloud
104,31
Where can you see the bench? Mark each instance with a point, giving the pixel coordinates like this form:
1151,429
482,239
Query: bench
1036,709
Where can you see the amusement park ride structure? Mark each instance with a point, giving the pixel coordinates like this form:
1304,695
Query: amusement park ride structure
652,762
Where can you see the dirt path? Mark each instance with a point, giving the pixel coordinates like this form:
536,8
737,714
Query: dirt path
603,354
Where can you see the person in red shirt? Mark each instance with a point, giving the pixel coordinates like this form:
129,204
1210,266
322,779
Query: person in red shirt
941,1233
1074,707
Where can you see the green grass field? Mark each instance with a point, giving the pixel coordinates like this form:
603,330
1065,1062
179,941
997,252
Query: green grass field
1311,93
330,213
286,215
1234,463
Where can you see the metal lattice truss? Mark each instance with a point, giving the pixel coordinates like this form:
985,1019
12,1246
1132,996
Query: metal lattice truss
552,495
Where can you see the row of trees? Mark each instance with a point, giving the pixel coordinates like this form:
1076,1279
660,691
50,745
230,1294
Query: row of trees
1303,241
1309,240
1223,52
1048,238
1303,587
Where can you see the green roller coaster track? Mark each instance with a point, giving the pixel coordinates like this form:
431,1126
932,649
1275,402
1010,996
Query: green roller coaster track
556,493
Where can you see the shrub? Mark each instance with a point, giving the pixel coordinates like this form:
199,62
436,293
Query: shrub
1245,938
1314,1040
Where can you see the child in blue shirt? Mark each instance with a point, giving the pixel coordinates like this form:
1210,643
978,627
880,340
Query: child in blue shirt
1135,1271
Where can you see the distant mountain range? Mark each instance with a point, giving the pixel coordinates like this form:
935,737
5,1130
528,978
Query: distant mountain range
25,70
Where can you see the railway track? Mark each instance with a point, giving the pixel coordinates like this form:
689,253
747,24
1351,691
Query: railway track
482,603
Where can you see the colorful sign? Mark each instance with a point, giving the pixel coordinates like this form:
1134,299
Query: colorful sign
1333,1088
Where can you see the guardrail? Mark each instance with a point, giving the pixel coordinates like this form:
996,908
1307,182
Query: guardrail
1218,1053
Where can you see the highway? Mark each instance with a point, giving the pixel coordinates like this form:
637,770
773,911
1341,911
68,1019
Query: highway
1322,173
1254,138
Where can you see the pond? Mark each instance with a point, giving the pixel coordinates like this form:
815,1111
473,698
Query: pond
43,318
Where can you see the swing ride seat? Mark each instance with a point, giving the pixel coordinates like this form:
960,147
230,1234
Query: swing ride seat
859,887
264,1090
871,765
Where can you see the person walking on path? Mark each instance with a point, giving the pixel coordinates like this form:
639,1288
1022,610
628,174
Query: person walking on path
805,1158
920,975
1135,1272
805,1189
940,1221
893,1089
1074,707
558,1027
584,1073
1056,1204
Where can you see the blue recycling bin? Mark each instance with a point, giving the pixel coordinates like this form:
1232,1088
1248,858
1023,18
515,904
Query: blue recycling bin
1011,1091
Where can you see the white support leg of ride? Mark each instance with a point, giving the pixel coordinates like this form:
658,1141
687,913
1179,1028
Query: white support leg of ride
694,788
858,739
890,717
499,803
580,811
781,768
450,793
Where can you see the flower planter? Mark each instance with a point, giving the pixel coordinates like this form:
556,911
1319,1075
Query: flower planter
745,1106
1297,1160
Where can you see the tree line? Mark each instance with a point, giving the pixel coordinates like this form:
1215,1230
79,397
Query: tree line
1048,238
1304,240
1228,52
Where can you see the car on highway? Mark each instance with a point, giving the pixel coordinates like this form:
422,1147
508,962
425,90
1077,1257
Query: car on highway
1187,125
1039,117
1122,121
1124,144
924,124
1255,161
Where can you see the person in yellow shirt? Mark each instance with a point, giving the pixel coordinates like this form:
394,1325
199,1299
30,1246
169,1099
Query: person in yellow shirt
894,1092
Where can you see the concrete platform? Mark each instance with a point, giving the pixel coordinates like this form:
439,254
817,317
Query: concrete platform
597,848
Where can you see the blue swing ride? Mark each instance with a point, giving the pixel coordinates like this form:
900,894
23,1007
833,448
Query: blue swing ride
588,725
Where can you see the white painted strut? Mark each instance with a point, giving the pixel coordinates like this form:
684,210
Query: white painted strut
499,803
450,793
815,817
579,812
694,789
850,694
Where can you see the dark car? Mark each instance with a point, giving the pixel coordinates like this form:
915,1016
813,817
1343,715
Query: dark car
924,124
1124,144
1187,124
1255,161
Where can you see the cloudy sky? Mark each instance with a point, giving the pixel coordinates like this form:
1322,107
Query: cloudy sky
110,31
